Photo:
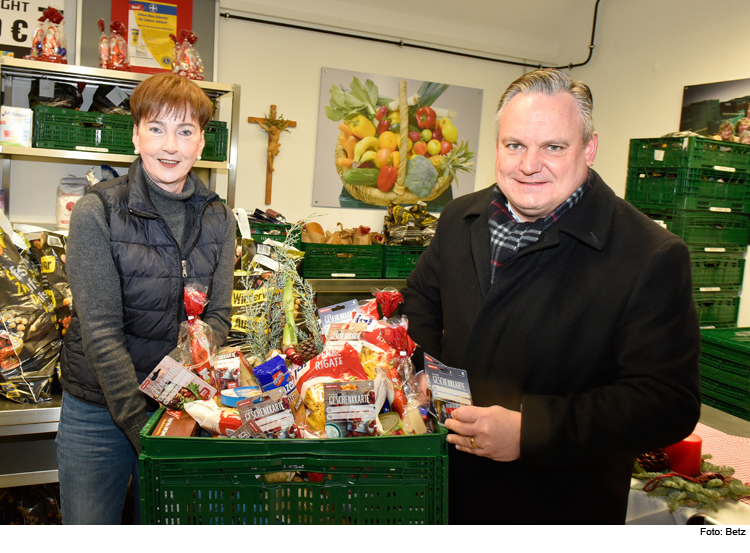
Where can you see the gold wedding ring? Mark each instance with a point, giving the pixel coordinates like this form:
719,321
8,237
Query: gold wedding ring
471,441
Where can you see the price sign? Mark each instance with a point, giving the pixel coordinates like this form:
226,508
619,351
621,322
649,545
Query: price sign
18,19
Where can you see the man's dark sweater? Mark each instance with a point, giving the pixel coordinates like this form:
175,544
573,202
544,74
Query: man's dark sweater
95,285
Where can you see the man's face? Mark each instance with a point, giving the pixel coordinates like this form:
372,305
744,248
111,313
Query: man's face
541,157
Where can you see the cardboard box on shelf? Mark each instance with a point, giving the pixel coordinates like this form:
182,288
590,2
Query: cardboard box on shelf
15,126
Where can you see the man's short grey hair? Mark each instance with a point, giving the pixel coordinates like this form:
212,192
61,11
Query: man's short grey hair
551,82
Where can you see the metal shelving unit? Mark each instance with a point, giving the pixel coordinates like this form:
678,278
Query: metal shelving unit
13,69
28,454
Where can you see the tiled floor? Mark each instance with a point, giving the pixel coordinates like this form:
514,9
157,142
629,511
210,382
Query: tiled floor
729,424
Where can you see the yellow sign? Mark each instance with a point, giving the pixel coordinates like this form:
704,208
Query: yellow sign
149,25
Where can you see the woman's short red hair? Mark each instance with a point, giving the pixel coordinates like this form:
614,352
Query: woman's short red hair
173,95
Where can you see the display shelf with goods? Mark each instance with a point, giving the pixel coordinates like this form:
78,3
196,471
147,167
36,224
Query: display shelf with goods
16,75
699,189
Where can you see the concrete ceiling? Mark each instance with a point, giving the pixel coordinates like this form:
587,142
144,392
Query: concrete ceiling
543,31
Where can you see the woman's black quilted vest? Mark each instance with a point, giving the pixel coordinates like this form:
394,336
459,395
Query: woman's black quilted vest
153,272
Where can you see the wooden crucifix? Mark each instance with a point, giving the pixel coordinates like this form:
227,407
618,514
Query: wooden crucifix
274,127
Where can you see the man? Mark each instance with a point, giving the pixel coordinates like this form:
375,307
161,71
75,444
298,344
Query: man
572,313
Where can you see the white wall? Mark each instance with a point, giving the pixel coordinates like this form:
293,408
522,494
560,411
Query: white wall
646,52
283,67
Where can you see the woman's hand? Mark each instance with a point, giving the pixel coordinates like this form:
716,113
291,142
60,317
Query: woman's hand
495,431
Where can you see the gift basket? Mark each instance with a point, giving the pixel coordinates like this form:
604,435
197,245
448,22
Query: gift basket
308,415
379,166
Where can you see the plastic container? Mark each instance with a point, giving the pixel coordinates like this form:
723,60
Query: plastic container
717,308
685,188
216,136
722,271
278,232
68,129
689,151
704,229
330,261
379,480
399,261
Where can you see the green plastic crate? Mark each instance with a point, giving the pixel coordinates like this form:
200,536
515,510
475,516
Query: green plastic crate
737,397
709,228
333,261
278,232
689,151
216,136
732,345
721,405
701,230
717,308
399,261
726,372
378,480
723,271
69,129
686,188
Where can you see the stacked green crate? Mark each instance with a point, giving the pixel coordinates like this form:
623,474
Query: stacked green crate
725,370
699,189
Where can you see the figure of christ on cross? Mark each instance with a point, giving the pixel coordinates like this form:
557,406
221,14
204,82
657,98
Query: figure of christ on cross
274,127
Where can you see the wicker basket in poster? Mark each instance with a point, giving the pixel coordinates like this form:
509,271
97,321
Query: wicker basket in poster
399,194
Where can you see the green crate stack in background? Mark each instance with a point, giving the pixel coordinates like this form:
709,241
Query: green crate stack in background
699,189
725,370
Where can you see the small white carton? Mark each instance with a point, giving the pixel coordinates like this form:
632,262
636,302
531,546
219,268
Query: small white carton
15,126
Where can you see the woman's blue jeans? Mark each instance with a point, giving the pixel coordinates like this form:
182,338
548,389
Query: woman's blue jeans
95,461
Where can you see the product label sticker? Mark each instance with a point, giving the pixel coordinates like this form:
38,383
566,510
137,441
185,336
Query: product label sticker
273,416
173,385
447,388
116,96
46,88
659,155
350,409
340,313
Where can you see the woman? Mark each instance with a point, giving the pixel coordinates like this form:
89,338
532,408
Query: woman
726,132
741,126
134,242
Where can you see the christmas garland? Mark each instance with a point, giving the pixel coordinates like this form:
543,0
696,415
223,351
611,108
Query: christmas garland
715,482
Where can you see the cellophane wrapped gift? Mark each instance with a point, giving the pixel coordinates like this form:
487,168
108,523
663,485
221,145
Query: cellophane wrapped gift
196,341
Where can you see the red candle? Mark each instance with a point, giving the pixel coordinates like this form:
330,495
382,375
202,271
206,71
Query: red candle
685,456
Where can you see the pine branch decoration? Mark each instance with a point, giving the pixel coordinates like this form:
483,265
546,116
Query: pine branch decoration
267,317
716,483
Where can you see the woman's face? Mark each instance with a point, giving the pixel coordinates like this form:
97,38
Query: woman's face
169,148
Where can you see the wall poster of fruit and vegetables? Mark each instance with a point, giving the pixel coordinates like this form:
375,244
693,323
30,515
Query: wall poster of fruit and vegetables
384,140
